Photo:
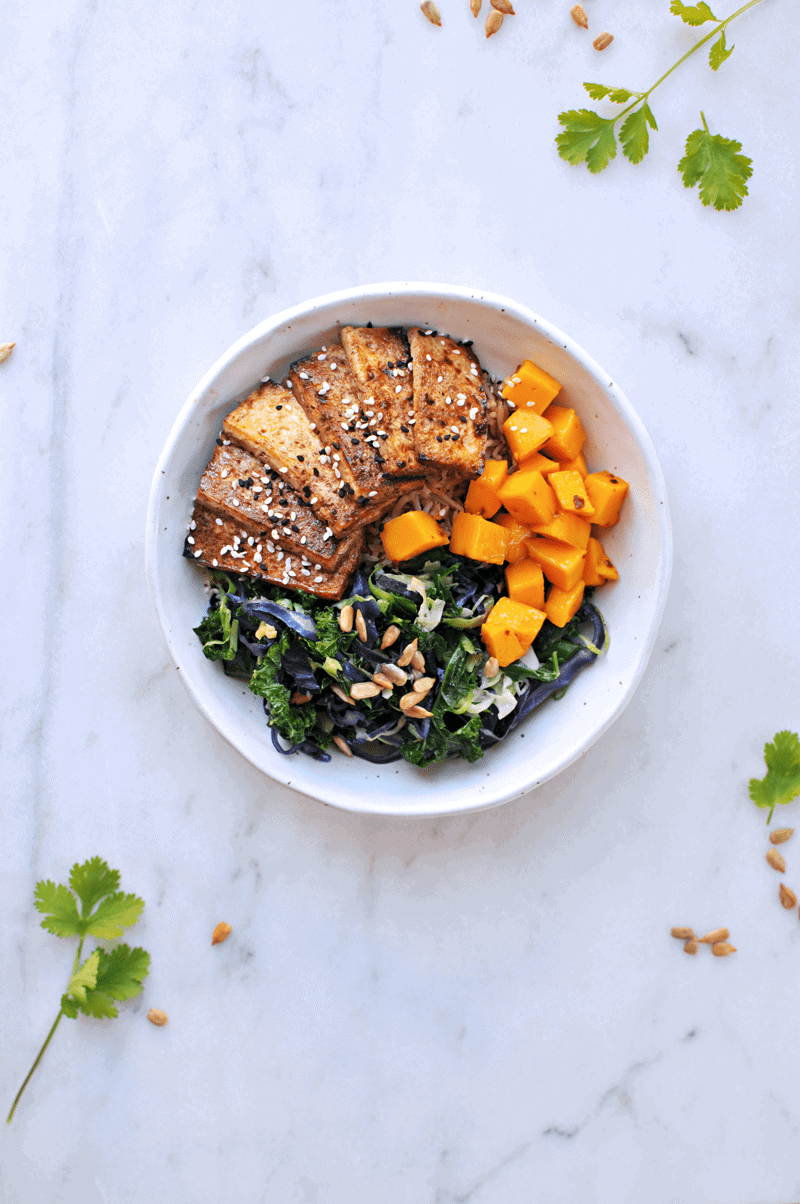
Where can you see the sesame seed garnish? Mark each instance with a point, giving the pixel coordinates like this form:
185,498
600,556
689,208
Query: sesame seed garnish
224,473
199,552
283,470
317,580
218,521
189,539
398,388
321,357
235,501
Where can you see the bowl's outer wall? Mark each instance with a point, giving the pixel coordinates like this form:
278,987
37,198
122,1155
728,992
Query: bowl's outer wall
504,333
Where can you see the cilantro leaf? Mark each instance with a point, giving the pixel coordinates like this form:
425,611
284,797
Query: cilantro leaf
715,163
84,978
692,14
633,133
781,782
92,881
719,52
587,138
122,971
113,915
70,1007
58,905
617,96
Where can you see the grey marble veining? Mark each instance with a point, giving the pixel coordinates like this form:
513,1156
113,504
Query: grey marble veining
484,1009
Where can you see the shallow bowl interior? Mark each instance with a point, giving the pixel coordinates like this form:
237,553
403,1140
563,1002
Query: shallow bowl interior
504,334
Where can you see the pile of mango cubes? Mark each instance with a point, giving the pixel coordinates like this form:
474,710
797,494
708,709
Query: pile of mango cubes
537,518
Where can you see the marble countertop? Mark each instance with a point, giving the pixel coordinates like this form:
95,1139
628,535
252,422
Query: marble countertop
486,1009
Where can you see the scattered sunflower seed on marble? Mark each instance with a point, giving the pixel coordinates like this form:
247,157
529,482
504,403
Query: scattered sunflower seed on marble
780,835
493,22
474,7
221,933
776,861
578,14
5,350
787,897
430,10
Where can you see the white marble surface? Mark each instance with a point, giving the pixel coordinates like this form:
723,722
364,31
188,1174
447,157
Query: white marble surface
486,1009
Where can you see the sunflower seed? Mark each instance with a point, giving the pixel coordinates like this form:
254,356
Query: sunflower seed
407,654
410,700
346,618
342,745
417,712
475,7
220,933
5,350
578,14
364,689
430,10
690,946
683,934
390,636
503,6
602,40
780,835
493,22
361,627
713,937
156,1016
398,677
788,897
722,949
776,861
492,668
383,681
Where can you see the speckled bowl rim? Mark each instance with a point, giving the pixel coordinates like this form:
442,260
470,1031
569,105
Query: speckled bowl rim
509,770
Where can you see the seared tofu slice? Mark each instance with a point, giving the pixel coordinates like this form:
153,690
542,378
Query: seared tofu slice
237,485
274,427
330,395
378,358
235,545
449,403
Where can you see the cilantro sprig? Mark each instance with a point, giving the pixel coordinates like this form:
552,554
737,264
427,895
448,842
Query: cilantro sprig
713,162
781,782
91,906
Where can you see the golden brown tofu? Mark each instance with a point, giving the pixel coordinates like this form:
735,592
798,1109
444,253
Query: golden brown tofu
378,358
273,426
449,403
237,485
235,546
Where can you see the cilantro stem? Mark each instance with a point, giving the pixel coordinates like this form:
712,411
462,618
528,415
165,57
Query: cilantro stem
35,1064
642,96
47,1039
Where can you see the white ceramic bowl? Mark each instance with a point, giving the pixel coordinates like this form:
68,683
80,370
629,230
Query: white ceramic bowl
504,333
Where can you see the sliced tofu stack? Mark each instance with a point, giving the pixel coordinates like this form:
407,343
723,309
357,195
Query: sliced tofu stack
330,395
450,407
237,485
274,427
235,545
378,358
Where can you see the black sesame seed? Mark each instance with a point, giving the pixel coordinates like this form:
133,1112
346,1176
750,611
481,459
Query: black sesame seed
302,459
438,438
315,472
342,492
219,443
405,430
278,407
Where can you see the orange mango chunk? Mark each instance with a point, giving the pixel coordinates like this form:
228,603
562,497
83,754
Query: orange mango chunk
410,534
525,581
568,435
482,494
517,533
598,568
525,434
562,604
510,630
530,388
571,493
576,465
607,493
567,528
528,497
562,565
479,539
539,463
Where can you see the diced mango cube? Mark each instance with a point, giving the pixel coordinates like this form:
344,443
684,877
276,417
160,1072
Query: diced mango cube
517,533
576,465
525,434
562,605
562,565
571,493
567,528
525,581
539,463
410,534
530,388
607,493
528,497
568,436
482,494
598,568
510,629
479,539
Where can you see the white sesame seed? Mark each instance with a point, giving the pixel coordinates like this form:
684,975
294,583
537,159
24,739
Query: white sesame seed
189,539
398,388
224,473
439,379
283,470
313,500
321,357
305,572
270,546
199,552
302,539
218,521
317,580
236,501
264,379
215,563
